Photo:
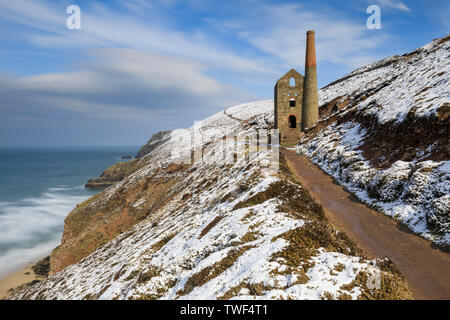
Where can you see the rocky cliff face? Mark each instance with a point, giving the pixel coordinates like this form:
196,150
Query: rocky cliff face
121,170
101,218
155,141
115,173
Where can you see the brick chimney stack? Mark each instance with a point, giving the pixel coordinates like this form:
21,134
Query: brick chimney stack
310,110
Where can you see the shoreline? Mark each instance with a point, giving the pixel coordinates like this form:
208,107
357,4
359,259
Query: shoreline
23,276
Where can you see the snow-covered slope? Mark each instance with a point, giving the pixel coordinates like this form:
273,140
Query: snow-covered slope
232,230
384,135
396,85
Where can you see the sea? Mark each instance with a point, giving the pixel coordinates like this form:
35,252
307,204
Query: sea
38,188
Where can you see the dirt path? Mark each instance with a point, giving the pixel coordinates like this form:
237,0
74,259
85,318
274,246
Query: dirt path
426,268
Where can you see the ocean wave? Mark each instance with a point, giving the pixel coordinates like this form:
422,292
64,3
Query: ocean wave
61,188
31,227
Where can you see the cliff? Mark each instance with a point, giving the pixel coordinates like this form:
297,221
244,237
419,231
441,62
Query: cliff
120,170
155,141
114,173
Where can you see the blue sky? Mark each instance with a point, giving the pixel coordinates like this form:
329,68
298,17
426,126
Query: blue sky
139,66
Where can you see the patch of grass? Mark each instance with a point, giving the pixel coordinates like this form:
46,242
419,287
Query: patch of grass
249,236
256,225
260,197
103,290
392,287
158,294
203,276
327,296
295,200
304,242
150,273
161,243
229,196
339,267
298,202
302,278
255,289
87,202
186,196
248,215
210,226
387,265
344,296
232,292
121,170
132,275
88,297
119,273
149,296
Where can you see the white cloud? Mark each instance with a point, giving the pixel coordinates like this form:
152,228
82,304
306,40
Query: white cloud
277,30
123,84
281,32
103,28
393,4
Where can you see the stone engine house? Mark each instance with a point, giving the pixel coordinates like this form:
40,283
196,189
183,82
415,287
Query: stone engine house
288,100
296,106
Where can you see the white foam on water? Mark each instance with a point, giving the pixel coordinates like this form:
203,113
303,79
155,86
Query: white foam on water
32,227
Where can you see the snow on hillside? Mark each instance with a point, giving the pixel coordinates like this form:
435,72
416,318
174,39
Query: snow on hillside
419,80
416,85
223,236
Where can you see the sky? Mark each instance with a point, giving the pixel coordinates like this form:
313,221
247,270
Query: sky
136,67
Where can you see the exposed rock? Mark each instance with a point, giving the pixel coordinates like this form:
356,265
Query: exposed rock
42,267
114,173
120,170
155,141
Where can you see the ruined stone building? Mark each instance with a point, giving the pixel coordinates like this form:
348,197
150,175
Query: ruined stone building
288,100
296,105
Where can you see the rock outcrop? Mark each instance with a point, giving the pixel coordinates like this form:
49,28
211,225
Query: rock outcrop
121,170
155,141
114,173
